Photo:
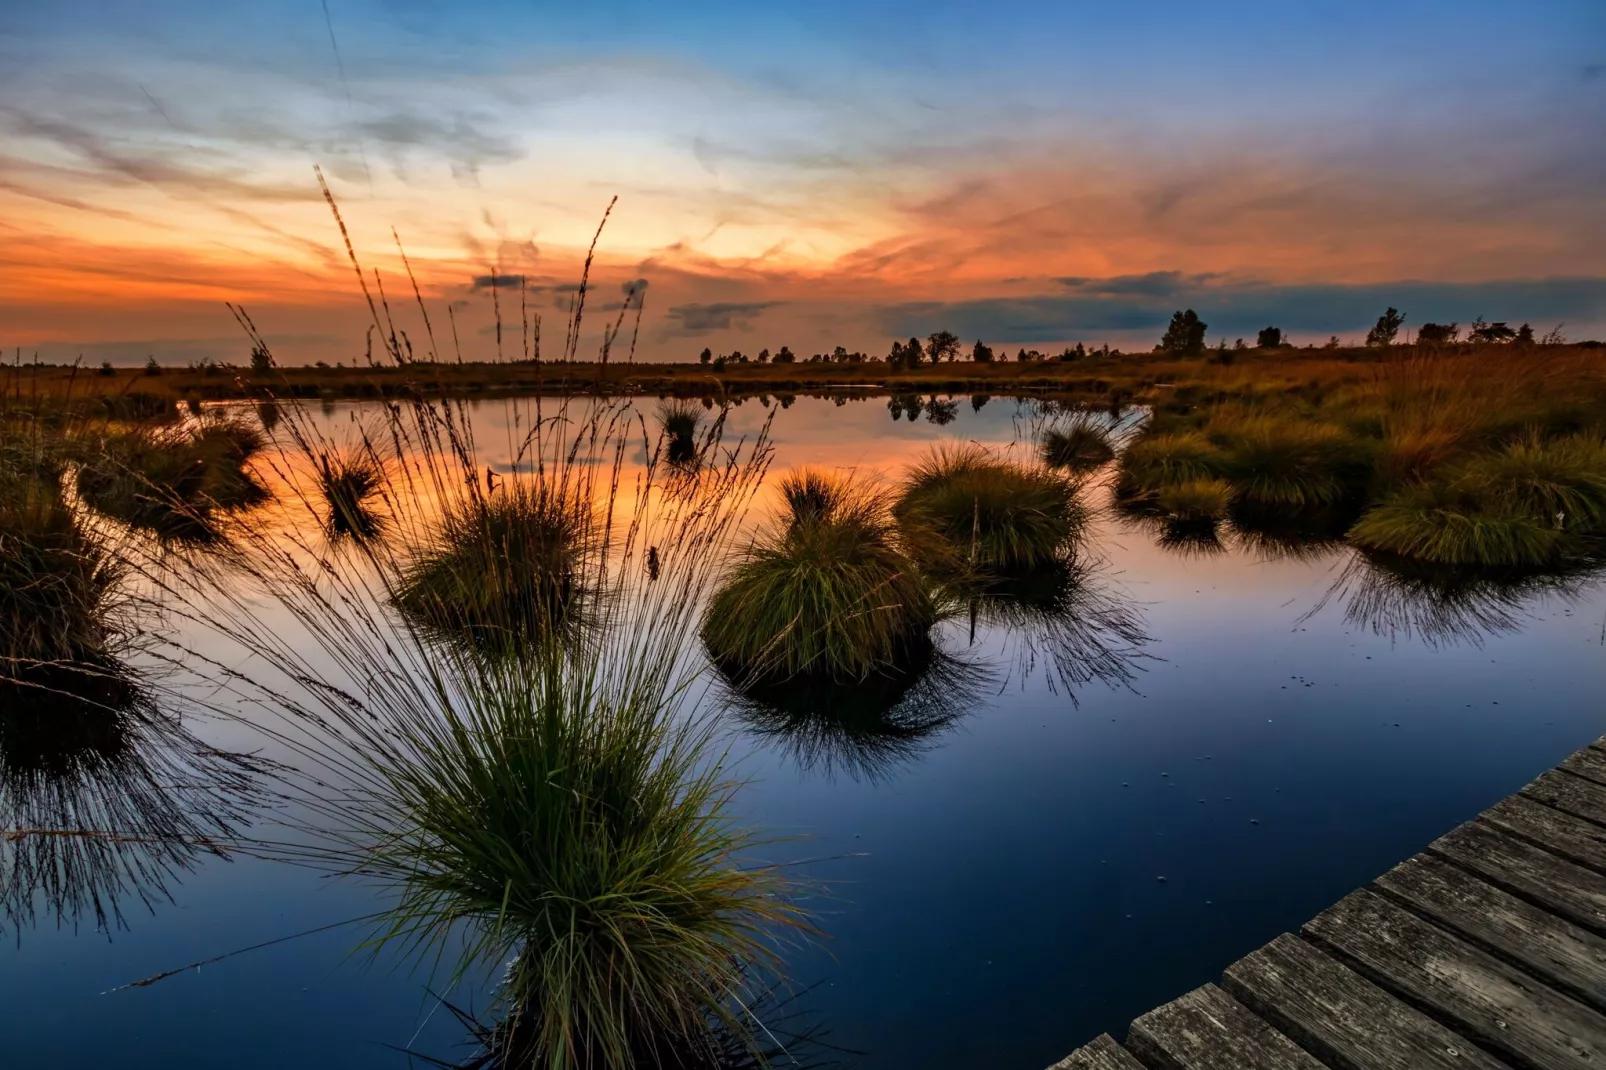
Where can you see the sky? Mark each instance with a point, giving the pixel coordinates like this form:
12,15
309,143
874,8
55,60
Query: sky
804,174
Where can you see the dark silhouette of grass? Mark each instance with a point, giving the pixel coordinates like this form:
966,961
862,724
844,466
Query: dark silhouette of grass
350,480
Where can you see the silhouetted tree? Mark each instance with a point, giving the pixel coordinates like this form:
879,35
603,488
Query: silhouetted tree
981,353
106,368
977,401
785,356
1525,335
1269,338
1386,329
763,356
943,345
1332,342
261,359
1239,344
1433,334
1185,335
941,413
1490,333
706,355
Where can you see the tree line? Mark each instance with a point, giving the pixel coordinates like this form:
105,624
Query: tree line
1184,336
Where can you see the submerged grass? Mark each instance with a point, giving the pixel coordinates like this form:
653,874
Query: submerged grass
826,591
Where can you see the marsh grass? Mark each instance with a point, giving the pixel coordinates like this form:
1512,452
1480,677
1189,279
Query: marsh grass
825,591
350,481
505,571
1082,447
174,481
1196,501
563,806
963,509
1157,460
680,420
1452,524
1295,464
58,579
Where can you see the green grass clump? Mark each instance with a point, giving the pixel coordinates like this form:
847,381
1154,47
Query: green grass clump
825,592
1562,481
1449,523
1158,460
962,508
1196,500
1079,448
349,482
504,569
573,833
1293,463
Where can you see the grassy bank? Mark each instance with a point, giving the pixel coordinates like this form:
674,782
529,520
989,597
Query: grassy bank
1137,376
1495,458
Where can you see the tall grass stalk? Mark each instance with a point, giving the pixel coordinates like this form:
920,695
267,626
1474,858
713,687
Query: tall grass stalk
566,809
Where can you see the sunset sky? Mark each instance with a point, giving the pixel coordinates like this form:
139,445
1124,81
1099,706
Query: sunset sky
804,174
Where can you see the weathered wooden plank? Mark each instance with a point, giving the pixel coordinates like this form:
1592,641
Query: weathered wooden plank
1575,795
1102,1054
1567,956
1560,886
1563,834
1479,996
1209,1030
1588,763
1342,1018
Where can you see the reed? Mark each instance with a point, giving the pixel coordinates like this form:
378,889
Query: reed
567,809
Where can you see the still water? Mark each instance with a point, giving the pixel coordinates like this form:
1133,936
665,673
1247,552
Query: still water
1058,853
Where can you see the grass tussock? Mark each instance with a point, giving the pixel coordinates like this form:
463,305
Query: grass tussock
680,420
826,591
1080,448
58,580
174,481
1449,524
962,507
350,481
1292,463
1161,459
1196,500
505,570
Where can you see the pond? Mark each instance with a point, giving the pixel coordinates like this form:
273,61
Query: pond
1073,826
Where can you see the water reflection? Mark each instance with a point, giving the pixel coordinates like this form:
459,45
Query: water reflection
104,799
1444,606
865,728
1066,616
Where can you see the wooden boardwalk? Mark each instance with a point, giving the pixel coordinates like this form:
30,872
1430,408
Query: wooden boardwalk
1485,951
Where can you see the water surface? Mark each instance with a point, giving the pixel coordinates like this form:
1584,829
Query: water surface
1046,863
